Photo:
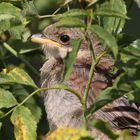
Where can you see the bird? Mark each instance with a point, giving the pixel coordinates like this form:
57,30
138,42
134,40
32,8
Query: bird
64,108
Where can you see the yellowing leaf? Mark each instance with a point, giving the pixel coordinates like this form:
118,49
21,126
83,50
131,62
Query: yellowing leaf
16,75
68,134
24,124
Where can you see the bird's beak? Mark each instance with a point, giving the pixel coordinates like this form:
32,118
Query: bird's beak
37,38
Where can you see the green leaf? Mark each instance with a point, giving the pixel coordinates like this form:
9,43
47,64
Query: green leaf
12,19
108,39
6,17
70,59
16,31
132,69
130,97
11,10
70,22
73,13
29,9
137,82
110,13
5,22
105,128
35,109
16,75
121,84
7,100
113,24
21,93
24,124
25,35
134,97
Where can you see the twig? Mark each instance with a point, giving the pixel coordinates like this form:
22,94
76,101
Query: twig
90,77
46,16
53,15
60,87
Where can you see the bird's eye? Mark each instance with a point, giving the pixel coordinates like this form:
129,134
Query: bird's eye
64,38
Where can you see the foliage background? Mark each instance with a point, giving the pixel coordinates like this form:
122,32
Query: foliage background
17,50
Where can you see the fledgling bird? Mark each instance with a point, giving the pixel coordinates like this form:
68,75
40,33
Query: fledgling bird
64,108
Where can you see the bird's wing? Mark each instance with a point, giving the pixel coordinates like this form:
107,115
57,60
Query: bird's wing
120,113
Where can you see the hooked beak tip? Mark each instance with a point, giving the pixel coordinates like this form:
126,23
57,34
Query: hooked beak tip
36,36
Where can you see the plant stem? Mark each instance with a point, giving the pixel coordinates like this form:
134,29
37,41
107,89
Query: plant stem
100,56
56,11
16,54
61,87
89,21
90,77
45,16
10,49
91,73
53,15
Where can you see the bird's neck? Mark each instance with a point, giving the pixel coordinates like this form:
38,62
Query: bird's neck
52,70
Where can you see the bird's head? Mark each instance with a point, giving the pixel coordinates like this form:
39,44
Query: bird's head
57,41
